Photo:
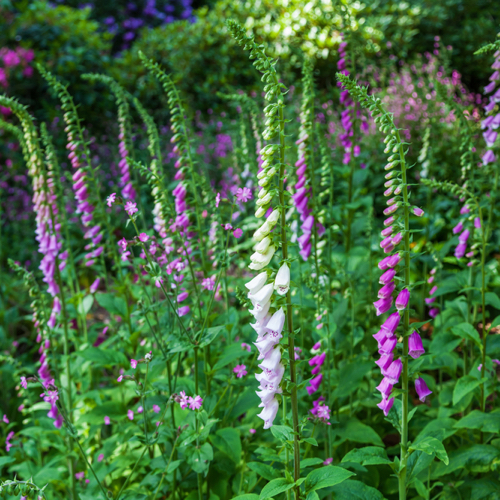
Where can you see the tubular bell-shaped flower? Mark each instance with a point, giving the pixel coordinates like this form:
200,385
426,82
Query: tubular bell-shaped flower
399,210
271,182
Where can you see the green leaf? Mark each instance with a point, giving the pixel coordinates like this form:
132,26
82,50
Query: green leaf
463,386
85,305
103,357
495,322
353,430
5,461
112,303
264,470
210,335
200,459
467,332
351,375
355,490
369,455
476,458
492,299
325,477
246,496
430,445
275,487
310,462
485,422
282,432
228,441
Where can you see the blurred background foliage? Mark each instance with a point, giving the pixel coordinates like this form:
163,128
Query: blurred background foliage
190,39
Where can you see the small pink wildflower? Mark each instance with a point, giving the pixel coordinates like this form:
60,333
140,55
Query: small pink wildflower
143,237
123,244
140,409
80,475
240,371
184,400
237,233
156,408
120,378
107,420
130,415
5,419
195,403
24,382
133,363
131,208
217,200
111,199
100,458
246,347
328,461
208,283
158,282
243,194
125,256
252,431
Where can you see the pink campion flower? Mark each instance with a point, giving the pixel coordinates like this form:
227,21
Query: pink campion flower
8,439
246,347
120,378
111,199
217,200
6,420
143,237
130,415
227,227
107,420
156,408
328,461
131,208
133,363
252,431
100,458
24,382
184,400
208,283
80,475
124,256
323,412
123,243
237,233
240,371
243,194
195,403
20,408
140,409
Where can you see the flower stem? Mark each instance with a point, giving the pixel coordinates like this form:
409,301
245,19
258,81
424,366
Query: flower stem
289,317
406,326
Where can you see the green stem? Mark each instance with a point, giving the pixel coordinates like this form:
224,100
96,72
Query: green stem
289,315
406,326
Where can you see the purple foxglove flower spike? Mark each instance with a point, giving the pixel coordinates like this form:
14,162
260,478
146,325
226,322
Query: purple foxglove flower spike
385,387
391,323
383,305
388,347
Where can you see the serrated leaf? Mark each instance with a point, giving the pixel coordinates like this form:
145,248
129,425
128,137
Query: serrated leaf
282,432
325,477
430,445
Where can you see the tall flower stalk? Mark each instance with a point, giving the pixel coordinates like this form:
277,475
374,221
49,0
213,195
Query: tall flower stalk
398,211
271,181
